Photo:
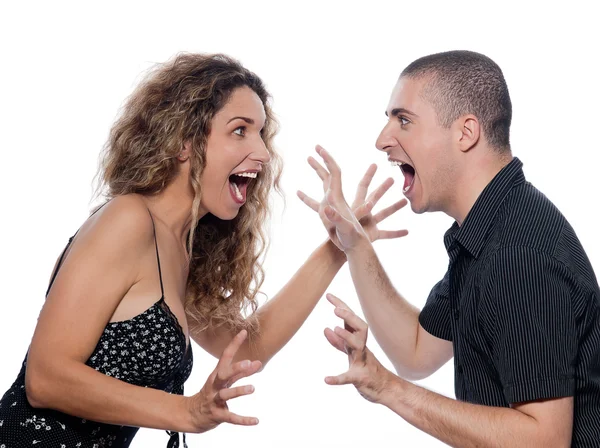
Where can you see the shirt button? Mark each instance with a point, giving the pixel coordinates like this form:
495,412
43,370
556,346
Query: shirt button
456,314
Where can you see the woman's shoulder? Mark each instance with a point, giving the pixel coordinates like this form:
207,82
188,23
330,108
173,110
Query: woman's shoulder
123,220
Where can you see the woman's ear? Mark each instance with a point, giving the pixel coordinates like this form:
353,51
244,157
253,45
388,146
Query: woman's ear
185,152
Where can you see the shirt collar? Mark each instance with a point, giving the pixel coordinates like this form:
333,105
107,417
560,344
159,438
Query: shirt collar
471,235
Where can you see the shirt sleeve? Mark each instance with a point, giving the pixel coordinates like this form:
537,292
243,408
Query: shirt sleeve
435,315
534,343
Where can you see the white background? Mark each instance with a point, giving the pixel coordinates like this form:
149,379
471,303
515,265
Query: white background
330,66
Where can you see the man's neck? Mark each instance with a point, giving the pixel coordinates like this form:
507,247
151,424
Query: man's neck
476,175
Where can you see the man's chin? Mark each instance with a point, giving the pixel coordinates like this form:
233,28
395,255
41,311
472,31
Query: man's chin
416,207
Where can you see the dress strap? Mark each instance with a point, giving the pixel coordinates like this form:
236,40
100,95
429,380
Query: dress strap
162,289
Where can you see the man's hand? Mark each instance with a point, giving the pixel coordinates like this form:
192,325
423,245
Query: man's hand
366,373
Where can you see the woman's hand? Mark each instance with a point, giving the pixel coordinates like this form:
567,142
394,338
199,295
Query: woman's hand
208,408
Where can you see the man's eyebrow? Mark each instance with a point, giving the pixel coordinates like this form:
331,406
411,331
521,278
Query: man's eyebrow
401,111
246,119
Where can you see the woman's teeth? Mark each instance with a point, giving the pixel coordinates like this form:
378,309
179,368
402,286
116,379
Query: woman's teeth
252,175
238,194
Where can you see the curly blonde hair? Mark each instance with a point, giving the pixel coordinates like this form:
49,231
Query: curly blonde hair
174,104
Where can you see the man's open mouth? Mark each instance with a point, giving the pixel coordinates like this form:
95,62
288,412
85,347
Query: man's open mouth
409,174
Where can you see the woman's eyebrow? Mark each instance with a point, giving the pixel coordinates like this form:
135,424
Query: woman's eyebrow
246,119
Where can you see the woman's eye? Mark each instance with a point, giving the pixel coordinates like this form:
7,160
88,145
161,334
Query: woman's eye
241,131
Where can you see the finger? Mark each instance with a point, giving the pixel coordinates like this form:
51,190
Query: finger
308,201
254,368
388,211
391,234
227,373
226,416
353,340
345,378
234,392
321,172
336,301
351,319
378,193
363,185
232,348
334,170
363,210
335,340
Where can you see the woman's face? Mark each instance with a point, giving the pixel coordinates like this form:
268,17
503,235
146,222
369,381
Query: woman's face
235,154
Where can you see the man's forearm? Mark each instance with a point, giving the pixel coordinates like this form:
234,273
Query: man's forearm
461,424
393,321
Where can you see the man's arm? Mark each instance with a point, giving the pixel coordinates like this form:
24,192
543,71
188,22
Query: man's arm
542,423
414,352
545,423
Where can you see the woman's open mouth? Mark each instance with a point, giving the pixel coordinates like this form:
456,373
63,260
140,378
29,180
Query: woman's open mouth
238,185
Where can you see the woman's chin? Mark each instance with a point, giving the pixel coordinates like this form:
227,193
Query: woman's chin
226,215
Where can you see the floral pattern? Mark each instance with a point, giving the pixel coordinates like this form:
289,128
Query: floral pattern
148,350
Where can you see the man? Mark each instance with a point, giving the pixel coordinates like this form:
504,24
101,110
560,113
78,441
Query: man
519,305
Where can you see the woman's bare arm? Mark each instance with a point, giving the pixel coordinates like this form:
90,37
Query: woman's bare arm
101,266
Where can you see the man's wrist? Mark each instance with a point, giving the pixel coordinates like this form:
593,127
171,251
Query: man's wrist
393,390
361,244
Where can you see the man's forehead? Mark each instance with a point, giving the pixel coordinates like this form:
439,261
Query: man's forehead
405,94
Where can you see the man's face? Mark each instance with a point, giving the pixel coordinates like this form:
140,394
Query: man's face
414,139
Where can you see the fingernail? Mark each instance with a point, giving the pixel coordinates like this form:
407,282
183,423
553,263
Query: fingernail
245,364
249,389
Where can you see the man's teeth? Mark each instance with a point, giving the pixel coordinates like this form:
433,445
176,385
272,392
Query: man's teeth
252,175
238,194
396,163
406,188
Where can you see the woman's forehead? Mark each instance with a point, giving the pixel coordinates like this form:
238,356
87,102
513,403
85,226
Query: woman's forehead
243,102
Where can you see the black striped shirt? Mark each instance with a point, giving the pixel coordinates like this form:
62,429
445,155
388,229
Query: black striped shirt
521,305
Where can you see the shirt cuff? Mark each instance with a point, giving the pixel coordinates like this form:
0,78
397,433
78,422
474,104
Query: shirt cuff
435,324
540,389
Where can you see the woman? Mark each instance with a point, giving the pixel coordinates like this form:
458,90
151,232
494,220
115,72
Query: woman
171,256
